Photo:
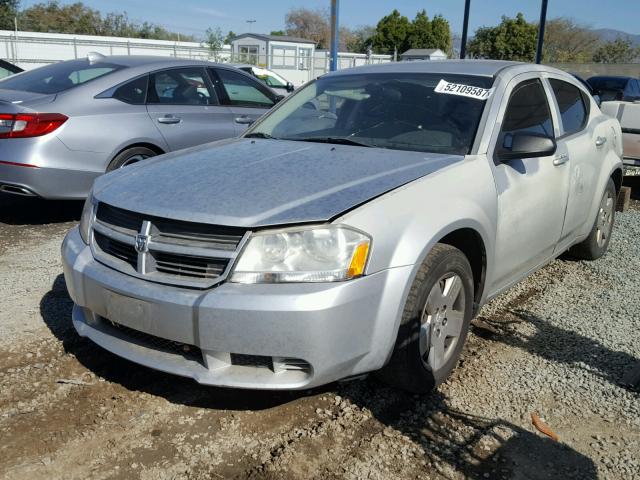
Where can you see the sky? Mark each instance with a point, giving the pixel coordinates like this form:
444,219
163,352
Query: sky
195,16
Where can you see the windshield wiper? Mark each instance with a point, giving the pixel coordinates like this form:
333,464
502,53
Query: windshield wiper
336,140
260,135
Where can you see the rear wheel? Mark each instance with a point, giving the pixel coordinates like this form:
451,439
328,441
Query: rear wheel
596,244
435,322
130,156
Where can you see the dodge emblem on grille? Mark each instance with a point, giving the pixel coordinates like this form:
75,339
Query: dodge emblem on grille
142,243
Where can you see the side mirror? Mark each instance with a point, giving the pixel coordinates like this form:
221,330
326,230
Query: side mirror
526,145
290,87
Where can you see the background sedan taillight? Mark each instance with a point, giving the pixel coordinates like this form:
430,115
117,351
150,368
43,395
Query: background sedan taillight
23,125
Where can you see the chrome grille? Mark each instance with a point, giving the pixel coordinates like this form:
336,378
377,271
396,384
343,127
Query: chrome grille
120,250
163,250
184,266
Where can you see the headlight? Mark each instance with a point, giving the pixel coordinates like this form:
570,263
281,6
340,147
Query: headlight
327,253
86,219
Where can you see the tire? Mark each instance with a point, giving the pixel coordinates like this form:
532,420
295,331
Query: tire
414,364
130,156
597,243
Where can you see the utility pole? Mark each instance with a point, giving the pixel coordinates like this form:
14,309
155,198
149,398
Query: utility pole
543,20
333,66
465,27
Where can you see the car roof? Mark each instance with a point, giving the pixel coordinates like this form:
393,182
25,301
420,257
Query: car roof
486,68
146,60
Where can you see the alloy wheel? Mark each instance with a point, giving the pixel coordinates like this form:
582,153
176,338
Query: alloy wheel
134,159
604,222
442,321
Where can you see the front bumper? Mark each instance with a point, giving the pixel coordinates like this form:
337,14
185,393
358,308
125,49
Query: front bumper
288,336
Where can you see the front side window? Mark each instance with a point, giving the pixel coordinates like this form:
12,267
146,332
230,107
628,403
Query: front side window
59,77
527,113
242,91
573,111
180,86
399,111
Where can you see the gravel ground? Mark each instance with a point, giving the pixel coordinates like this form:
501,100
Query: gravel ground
559,343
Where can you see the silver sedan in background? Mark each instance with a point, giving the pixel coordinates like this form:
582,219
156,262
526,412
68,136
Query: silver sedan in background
64,124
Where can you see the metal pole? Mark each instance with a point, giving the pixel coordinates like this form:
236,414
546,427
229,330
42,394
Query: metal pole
543,20
334,34
15,39
465,27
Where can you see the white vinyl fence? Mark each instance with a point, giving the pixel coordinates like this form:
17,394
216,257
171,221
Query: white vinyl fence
34,49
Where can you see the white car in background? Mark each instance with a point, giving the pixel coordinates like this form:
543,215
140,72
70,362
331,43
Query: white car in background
271,79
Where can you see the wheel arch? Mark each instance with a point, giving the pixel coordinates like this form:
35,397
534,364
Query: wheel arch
150,146
470,243
616,176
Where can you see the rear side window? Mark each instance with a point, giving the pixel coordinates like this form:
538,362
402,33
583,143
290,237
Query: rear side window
243,91
573,111
59,77
527,112
134,92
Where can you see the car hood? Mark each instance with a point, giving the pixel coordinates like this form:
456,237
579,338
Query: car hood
254,182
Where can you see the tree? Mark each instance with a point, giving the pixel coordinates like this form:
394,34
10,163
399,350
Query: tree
441,33
55,18
620,50
360,39
310,24
566,41
214,39
229,38
8,11
392,33
420,35
278,33
512,39
79,19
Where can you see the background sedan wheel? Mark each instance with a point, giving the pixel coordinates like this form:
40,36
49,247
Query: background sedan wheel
129,157
434,323
597,243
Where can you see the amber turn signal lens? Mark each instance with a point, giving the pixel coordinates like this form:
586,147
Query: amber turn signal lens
359,260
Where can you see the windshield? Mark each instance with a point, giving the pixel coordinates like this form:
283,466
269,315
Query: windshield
400,111
58,77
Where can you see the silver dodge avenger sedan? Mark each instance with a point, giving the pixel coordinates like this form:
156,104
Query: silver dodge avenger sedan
356,228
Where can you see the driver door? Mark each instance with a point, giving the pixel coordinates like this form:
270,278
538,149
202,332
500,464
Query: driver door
532,192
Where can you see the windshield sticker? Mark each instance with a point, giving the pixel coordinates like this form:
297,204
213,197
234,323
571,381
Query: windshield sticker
470,91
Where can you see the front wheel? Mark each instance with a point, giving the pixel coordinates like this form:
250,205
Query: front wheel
596,244
435,322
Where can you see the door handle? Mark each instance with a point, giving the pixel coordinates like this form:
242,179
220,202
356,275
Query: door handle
561,159
244,120
600,141
168,119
